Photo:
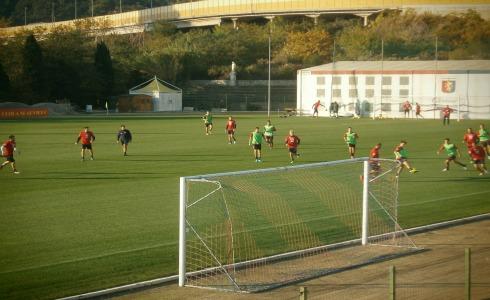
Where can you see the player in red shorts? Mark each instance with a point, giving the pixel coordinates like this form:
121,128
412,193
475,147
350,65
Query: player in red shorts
446,114
478,156
469,139
87,137
230,130
374,165
407,107
8,148
292,142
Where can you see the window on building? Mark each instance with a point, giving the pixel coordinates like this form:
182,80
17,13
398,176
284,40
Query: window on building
320,80
386,92
320,93
404,80
337,93
385,106
369,93
386,80
337,80
404,93
370,80
353,93
353,80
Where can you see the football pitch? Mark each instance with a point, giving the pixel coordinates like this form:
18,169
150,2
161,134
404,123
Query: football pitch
69,227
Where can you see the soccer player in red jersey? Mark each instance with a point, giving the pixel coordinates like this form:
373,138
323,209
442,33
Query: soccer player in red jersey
478,156
8,148
406,109
374,164
446,114
315,107
418,110
469,139
87,137
230,130
292,142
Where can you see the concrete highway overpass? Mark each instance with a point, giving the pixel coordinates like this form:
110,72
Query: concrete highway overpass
214,12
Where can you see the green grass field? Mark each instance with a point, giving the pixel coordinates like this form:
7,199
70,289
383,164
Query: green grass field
69,227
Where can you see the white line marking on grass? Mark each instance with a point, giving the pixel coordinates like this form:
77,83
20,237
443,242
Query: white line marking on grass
445,198
88,258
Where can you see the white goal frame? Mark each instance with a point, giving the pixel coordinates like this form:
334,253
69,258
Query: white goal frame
365,211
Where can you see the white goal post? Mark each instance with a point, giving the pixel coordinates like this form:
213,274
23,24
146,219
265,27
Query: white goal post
250,231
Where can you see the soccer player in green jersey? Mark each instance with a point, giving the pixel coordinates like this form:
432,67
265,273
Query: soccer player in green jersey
269,134
484,139
255,140
350,138
451,151
208,122
401,155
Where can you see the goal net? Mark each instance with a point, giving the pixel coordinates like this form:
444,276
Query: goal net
251,231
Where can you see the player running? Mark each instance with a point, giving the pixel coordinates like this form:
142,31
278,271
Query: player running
124,137
418,111
8,148
87,137
350,138
484,138
315,108
469,139
451,151
446,114
208,122
478,156
374,165
230,130
292,142
401,155
269,133
255,140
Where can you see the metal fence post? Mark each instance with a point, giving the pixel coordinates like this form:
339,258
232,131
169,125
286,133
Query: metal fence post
467,273
392,284
303,293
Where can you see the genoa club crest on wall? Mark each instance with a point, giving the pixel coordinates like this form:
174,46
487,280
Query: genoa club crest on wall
448,86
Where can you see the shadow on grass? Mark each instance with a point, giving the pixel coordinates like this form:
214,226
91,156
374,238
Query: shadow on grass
445,179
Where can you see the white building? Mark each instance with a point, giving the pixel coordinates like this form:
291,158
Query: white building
166,97
380,87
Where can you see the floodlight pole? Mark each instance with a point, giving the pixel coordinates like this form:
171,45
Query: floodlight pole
92,2
25,15
365,204
75,9
52,12
269,78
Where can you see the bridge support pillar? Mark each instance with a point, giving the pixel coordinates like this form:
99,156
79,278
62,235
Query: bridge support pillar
365,17
235,21
314,17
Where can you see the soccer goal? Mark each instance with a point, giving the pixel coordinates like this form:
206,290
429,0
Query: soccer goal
251,231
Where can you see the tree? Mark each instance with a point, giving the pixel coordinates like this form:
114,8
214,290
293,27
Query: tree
104,73
32,71
4,84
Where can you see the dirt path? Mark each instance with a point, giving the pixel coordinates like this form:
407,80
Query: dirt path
435,274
